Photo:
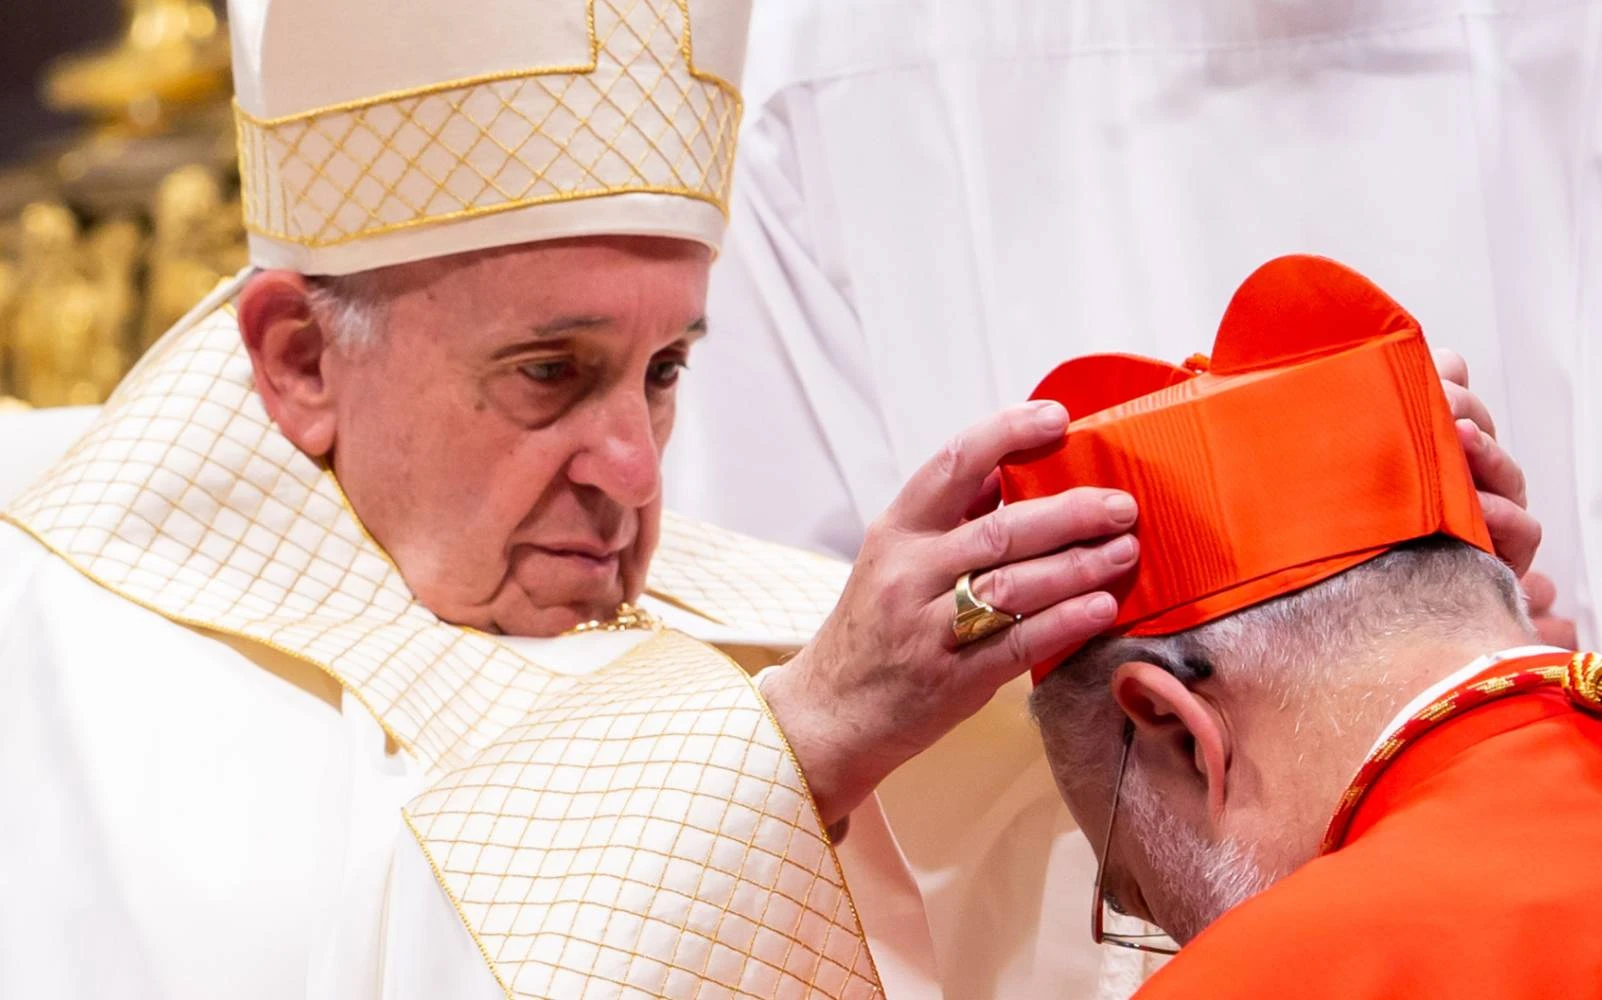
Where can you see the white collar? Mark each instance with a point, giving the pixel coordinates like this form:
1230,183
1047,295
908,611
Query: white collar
1452,680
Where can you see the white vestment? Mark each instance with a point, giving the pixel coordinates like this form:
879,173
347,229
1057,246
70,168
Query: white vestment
222,787
936,203
204,817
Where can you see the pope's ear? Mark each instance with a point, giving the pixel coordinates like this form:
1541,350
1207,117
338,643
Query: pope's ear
1182,727
289,352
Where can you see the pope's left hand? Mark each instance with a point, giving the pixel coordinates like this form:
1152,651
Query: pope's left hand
891,670
1515,532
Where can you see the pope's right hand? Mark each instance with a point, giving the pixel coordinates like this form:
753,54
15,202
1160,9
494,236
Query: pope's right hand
885,677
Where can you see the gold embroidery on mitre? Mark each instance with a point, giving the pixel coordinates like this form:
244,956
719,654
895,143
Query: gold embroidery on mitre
184,499
640,118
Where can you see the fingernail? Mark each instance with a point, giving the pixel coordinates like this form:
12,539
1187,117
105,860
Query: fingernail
1103,608
1122,551
1121,508
1050,414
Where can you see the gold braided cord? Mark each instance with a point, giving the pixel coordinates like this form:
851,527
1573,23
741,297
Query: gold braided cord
639,119
1582,680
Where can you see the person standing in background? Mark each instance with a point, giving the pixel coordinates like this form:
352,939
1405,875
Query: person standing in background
937,202
941,201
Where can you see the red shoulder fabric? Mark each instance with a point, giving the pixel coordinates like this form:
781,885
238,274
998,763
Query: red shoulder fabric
1473,876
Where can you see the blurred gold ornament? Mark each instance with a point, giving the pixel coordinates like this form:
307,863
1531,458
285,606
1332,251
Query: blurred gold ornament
111,262
52,326
172,53
198,240
66,347
153,177
157,99
9,281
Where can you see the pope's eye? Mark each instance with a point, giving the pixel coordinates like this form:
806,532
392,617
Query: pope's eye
547,371
665,373
1113,904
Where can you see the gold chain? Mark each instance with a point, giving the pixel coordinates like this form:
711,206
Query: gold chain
627,617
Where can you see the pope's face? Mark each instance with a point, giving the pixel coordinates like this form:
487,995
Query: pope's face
502,434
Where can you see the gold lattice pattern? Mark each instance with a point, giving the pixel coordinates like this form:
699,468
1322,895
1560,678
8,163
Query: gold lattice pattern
641,118
740,581
185,499
671,852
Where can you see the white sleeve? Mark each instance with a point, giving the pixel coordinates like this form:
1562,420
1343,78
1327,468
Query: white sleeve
66,929
428,952
784,343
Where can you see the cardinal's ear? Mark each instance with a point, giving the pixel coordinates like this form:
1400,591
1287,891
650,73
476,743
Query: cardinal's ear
1184,730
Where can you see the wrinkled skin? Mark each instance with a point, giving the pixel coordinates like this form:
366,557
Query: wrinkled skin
502,434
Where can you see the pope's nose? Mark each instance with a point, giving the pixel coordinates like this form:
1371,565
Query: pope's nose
622,457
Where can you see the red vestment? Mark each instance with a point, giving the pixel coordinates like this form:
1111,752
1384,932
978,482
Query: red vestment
1467,864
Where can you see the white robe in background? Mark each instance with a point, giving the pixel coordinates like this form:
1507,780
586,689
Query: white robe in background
937,201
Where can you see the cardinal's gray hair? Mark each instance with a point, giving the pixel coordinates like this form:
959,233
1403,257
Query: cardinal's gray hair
1286,650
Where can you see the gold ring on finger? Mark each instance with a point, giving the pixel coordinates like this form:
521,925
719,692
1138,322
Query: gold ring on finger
977,619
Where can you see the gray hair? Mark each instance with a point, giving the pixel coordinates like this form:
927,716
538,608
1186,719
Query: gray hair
1436,587
351,307
355,307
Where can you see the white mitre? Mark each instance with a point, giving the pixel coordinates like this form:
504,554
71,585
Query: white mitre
374,133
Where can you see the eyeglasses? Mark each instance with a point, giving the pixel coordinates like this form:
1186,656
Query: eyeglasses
1157,943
